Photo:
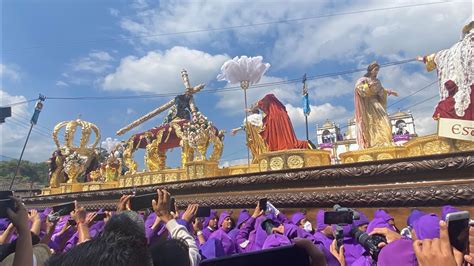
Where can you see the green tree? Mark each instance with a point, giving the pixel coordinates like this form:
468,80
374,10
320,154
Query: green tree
29,171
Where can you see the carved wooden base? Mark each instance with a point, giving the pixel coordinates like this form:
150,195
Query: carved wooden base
201,169
433,144
373,154
430,180
293,159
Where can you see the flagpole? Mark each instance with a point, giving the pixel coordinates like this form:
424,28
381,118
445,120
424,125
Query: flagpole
306,121
305,94
33,121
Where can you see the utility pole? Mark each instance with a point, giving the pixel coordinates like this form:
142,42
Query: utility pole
33,121
306,106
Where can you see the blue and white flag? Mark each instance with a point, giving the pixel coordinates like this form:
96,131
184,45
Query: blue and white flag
306,106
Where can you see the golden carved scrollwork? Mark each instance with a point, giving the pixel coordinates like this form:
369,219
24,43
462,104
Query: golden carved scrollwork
365,158
191,173
436,147
464,145
349,160
218,146
313,161
128,157
146,180
57,176
384,156
295,161
199,171
157,178
154,158
415,150
276,163
129,182
263,165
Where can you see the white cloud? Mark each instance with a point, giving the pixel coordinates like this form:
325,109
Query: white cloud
15,129
61,83
232,102
161,71
101,55
319,114
403,33
182,16
96,62
395,33
9,72
109,144
130,111
114,12
86,70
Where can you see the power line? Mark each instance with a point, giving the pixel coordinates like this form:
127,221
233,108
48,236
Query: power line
34,129
421,102
232,27
25,126
406,97
38,126
232,88
20,103
221,90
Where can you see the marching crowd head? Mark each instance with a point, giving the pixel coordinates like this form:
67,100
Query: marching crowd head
165,236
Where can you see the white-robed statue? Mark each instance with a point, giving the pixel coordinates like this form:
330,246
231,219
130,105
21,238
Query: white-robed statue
456,64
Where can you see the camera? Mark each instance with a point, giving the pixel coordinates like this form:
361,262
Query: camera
340,216
369,242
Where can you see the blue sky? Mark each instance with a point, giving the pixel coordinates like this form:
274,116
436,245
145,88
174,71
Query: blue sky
96,48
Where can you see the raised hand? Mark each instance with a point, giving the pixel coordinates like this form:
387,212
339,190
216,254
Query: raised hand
470,257
257,212
387,233
190,212
338,254
19,218
124,203
33,215
437,251
161,207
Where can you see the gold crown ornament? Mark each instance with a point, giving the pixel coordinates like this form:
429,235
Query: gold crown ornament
70,128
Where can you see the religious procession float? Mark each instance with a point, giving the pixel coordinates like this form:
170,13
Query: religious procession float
381,162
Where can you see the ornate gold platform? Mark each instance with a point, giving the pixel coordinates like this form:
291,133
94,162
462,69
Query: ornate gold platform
426,145
272,161
374,154
292,159
433,144
91,186
201,169
156,177
240,169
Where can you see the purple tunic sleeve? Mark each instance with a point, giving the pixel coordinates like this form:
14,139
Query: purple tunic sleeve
58,240
282,218
243,239
153,235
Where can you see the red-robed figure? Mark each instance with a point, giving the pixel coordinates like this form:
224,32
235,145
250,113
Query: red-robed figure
277,130
446,108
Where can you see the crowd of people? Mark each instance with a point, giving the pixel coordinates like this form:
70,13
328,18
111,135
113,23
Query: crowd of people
162,237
